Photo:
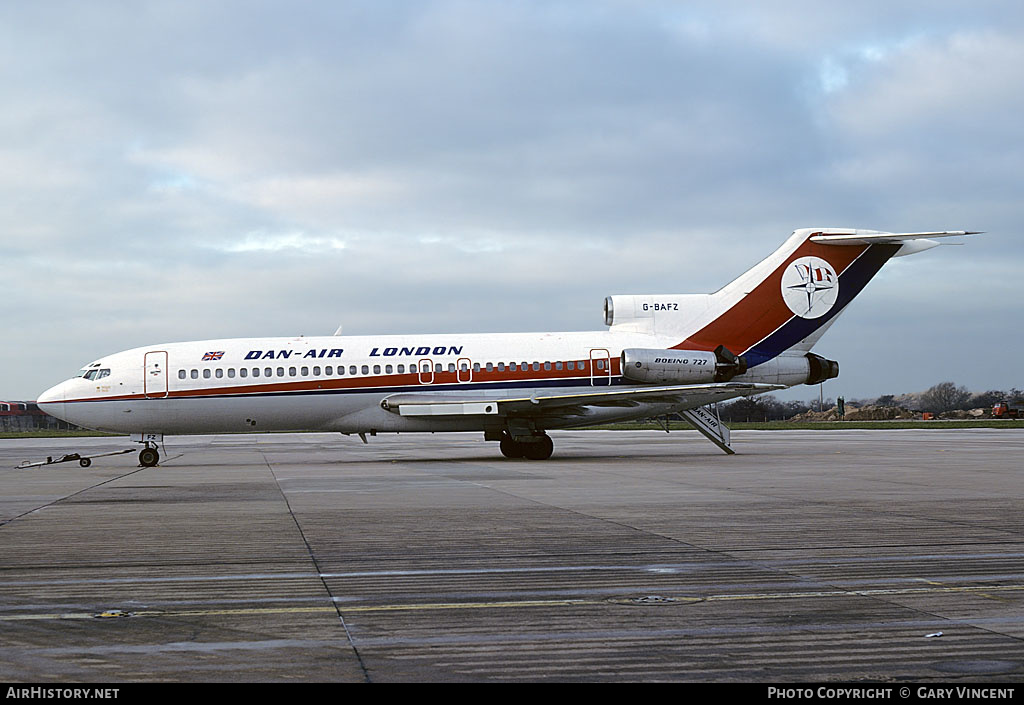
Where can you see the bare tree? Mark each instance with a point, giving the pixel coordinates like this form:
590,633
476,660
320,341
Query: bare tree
945,396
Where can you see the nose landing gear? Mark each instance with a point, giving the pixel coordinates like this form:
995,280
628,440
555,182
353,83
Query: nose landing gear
149,457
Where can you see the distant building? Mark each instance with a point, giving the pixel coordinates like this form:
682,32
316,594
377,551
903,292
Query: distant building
27,416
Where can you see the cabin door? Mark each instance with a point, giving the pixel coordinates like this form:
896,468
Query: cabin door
154,381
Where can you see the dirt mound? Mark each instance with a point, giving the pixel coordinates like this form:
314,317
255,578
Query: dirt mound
865,413
878,413
827,415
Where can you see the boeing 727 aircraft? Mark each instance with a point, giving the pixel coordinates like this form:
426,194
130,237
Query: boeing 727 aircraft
661,354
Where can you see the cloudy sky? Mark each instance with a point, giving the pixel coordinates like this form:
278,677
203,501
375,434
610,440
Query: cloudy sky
188,170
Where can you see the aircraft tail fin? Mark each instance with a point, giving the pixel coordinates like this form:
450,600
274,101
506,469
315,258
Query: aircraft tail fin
785,302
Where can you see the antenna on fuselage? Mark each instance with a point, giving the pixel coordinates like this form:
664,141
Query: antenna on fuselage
338,332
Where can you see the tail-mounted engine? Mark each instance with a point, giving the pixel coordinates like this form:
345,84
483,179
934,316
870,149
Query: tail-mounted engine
681,366
821,369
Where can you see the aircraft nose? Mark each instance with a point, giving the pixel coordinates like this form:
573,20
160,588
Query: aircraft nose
52,401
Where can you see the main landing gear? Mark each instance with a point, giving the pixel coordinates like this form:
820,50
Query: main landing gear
536,447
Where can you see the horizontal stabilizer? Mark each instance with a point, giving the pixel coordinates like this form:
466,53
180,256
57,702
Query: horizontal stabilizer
873,237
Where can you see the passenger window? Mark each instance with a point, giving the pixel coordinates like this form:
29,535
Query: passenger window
558,365
571,365
291,372
476,366
512,366
243,372
231,372
438,368
365,369
401,369
194,374
536,366
451,366
206,373
255,371
501,367
218,373
547,365
600,364
280,372
305,372
181,374
351,369
376,369
316,371
389,369
267,372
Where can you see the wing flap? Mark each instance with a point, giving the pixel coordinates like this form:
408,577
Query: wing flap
443,404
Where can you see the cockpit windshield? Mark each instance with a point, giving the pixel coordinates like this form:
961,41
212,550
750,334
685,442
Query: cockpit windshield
94,373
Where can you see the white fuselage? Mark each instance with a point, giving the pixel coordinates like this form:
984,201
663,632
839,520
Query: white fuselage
326,383
337,383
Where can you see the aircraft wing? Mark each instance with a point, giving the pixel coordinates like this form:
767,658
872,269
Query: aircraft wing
568,403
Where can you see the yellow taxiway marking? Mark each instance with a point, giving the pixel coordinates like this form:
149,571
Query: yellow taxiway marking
931,588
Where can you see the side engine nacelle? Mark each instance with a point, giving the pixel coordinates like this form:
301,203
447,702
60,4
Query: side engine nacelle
792,368
681,366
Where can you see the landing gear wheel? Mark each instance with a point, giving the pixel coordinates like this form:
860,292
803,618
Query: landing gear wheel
85,462
540,449
148,457
511,449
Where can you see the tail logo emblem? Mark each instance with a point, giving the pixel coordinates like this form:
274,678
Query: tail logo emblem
810,287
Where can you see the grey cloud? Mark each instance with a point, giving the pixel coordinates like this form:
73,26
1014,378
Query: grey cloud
255,168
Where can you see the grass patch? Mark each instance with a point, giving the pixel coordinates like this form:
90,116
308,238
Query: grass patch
53,433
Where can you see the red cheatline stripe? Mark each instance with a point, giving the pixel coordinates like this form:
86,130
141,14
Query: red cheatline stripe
394,380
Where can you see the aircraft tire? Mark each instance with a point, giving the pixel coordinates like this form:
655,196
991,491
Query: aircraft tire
148,457
85,462
540,449
510,448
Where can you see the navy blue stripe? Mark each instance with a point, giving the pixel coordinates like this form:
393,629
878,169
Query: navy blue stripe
851,282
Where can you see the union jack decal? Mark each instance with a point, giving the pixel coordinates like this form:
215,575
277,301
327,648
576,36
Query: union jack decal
213,355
